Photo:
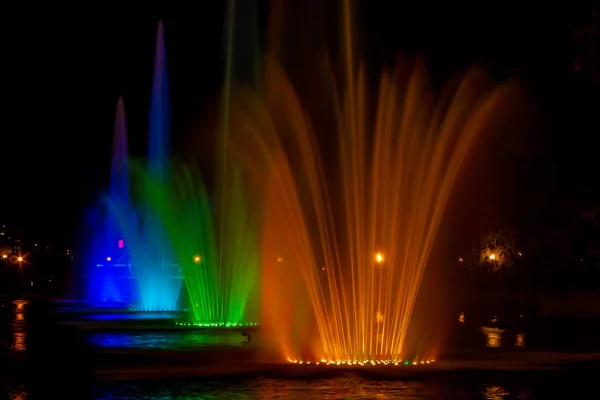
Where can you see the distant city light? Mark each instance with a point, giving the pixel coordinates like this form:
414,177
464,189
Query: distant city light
19,259
108,258
4,256
492,256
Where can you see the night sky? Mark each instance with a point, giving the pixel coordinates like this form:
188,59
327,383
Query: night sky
67,67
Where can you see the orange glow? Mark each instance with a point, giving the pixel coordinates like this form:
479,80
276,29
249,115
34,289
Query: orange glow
363,363
19,259
492,256
393,176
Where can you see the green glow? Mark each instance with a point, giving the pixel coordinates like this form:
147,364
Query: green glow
216,324
218,252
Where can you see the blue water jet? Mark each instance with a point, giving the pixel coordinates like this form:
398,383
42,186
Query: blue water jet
132,260
107,276
152,262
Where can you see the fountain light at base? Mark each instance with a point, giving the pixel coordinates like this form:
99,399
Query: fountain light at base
364,363
347,233
216,324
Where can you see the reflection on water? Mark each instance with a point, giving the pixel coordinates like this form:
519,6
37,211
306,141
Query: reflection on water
520,339
494,392
19,342
128,316
20,310
263,388
19,327
500,387
171,340
493,336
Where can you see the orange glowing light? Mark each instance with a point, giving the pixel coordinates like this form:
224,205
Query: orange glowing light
492,256
197,259
4,256
19,259
386,192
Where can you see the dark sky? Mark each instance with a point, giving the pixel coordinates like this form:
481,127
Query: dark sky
68,66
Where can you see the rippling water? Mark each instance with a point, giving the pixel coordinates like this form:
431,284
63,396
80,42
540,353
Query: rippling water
459,386
168,340
346,387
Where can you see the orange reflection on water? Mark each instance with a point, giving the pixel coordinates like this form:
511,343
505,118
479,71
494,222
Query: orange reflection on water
494,392
493,336
20,310
19,342
520,339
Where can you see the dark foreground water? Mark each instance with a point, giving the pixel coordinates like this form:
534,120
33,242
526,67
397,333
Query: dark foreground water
561,385
49,359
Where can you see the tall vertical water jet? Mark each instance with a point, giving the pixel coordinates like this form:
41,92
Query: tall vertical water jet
159,126
152,261
119,179
106,259
236,215
217,249
345,247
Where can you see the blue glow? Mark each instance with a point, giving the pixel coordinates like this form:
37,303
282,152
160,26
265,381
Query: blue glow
106,282
130,259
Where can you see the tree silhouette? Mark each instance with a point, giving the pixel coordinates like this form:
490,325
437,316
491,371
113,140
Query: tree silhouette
498,250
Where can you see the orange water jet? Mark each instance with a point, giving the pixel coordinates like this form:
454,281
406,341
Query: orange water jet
345,247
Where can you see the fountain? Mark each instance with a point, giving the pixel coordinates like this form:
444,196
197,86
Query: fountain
107,276
137,265
345,243
217,248
152,261
217,253
169,234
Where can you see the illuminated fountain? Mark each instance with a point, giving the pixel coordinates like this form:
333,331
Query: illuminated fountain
218,253
217,247
108,277
138,265
345,244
